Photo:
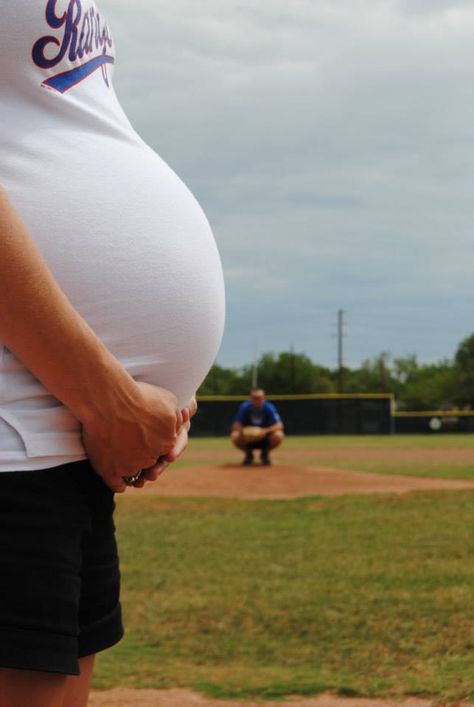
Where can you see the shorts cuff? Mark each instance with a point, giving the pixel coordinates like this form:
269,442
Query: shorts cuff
26,649
102,634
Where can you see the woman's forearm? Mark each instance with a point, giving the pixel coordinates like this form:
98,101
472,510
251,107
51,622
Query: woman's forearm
41,327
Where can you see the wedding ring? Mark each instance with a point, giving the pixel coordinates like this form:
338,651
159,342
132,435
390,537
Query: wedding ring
130,480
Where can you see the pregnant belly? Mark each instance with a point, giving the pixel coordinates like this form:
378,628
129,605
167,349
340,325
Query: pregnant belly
156,299
133,251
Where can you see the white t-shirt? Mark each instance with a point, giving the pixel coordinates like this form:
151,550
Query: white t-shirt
122,234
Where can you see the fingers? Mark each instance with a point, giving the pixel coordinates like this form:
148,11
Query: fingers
180,446
179,421
157,470
141,481
192,406
189,411
153,471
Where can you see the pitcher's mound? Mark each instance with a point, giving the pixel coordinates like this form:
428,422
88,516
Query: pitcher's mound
285,481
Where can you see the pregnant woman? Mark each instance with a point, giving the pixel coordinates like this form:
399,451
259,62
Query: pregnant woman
111,314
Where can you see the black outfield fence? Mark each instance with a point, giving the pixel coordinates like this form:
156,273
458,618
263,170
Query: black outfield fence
333,414
303,414
434,422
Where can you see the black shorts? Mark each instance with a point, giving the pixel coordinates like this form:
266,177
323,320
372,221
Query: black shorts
59,572
262,444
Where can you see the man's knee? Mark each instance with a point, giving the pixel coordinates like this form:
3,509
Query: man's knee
237,439
276,438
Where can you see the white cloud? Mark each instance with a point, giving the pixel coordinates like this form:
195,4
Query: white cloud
331,144
459,7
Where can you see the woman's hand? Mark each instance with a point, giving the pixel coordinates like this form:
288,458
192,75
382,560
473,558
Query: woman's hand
157,469
143,427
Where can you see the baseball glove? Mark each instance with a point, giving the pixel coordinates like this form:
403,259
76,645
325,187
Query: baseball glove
252,434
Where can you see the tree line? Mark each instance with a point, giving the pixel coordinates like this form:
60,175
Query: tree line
415,385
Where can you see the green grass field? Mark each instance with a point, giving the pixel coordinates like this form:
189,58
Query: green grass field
357,595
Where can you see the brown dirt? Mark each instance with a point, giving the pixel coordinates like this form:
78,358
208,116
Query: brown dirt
122,697
283,480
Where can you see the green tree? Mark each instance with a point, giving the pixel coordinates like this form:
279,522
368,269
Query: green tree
431,386
225,381
416,386
405,368
291,372
464,368
374,376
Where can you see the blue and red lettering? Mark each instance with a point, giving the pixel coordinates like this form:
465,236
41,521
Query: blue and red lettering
82,34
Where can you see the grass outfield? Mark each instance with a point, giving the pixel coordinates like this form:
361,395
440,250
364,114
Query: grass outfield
356,595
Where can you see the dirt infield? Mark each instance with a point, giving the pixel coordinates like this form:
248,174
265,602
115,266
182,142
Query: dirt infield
285,481
120,697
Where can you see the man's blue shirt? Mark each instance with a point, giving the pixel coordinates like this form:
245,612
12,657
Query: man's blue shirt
265,416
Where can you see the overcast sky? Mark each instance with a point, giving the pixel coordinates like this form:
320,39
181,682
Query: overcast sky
331,145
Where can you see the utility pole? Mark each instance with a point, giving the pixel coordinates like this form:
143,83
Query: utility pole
255,365
292,369
340,358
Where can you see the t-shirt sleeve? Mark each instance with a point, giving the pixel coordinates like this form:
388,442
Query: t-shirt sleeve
273,415
241,414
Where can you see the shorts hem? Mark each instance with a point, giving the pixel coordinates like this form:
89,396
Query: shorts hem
25,649
102,635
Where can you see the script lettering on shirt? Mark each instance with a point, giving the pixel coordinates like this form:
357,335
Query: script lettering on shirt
82,34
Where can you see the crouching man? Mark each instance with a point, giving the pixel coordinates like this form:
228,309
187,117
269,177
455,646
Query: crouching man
257,425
